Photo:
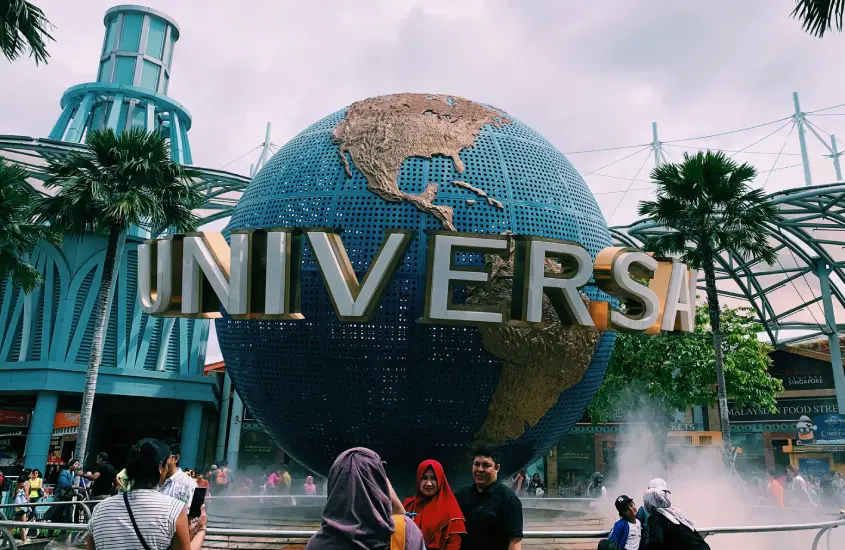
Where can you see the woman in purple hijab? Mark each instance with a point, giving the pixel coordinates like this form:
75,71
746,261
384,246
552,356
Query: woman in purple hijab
360,501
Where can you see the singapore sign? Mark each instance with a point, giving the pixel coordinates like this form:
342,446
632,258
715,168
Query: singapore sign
258,276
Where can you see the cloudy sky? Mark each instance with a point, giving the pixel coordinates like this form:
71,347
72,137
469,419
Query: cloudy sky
587,75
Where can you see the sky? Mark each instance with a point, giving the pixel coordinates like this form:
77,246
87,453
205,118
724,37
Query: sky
587,75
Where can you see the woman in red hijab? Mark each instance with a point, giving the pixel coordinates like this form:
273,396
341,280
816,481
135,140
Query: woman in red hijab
439,516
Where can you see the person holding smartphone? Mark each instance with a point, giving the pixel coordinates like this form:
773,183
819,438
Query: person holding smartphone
143,518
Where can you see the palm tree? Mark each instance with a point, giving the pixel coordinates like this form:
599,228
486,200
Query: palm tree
709,207
23,26
18,232
818,16
122,181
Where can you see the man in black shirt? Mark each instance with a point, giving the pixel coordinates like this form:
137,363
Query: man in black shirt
103,478
492,511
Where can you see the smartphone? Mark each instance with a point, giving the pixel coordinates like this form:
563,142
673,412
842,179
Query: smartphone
196,504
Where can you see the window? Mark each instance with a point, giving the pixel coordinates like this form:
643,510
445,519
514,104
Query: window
149,75
139,115
111,35
106,67
155,38
125,70
130,36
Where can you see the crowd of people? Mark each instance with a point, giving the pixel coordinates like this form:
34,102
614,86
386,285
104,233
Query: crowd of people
796,490
145,505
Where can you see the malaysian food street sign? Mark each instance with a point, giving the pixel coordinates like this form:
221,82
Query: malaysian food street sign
258,277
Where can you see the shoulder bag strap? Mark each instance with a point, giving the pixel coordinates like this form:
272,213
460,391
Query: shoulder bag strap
134,523
397,540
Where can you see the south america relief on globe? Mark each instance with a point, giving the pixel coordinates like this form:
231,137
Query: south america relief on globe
412,390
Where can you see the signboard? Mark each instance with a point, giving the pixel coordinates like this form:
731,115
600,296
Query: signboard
816,467
66,420
788,410
828,429
801,373
14,418
259,276
813,448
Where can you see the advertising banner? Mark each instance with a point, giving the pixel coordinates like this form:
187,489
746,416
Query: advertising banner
801,373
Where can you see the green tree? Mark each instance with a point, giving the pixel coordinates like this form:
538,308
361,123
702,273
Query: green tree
19,233
667,373
23,26
708,208
819,16
119,182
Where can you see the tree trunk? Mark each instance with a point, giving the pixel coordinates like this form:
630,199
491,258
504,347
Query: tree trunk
716,326
101,317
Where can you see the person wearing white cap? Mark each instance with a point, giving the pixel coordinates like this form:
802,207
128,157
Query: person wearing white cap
668,527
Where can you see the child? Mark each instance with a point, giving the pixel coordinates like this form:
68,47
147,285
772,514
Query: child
20,511
627,533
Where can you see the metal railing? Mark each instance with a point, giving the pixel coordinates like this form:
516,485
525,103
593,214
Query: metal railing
824,528
33,505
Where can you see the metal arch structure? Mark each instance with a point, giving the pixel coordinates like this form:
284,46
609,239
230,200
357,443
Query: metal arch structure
222,189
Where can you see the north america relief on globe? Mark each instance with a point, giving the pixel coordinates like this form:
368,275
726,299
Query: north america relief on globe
407,389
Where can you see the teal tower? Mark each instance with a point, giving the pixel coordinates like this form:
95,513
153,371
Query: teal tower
151,381
132,82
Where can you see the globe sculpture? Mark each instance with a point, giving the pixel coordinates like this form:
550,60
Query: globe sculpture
407,389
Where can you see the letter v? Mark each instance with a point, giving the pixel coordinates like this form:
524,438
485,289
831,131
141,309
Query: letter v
354,301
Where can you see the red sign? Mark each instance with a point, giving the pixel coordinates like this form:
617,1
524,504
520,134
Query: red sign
14,418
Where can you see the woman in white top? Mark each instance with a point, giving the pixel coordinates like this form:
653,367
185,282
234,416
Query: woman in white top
143,518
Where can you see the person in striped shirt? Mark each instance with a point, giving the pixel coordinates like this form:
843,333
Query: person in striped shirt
143,518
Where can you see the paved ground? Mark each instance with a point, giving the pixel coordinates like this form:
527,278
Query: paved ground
586,522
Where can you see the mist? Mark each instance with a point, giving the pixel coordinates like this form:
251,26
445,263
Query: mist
702,488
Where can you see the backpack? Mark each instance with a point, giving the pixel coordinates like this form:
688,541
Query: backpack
222,477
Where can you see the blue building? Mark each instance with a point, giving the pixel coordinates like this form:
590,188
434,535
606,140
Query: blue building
152,380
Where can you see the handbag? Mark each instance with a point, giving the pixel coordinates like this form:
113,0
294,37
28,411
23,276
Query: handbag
134,523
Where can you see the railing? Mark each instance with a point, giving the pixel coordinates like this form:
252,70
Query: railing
823,528
34,505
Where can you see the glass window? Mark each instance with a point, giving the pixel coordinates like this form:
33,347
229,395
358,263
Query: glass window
155,38
130,36
111,35
98,117
105,70
125,70
149,76
139,115
121,121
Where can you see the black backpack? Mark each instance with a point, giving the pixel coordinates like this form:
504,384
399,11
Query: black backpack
608,544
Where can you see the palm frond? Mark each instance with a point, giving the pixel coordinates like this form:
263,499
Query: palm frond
20,233
819,16
707,206
121,181
23,26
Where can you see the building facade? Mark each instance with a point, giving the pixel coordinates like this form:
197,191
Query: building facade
152,381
